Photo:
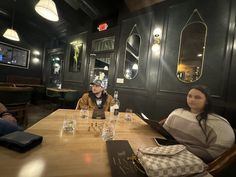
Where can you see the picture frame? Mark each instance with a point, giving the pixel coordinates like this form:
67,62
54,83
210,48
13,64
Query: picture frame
75,58
14,56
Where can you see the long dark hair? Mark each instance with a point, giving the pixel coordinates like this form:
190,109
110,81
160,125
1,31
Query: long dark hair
202,117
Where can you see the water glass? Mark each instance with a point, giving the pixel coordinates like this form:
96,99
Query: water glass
128,114
84,112
108,131
69,124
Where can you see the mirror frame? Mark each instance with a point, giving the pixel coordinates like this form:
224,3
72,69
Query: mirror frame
204,45
134,31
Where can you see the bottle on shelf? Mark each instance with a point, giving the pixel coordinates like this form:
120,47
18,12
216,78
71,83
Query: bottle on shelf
115,104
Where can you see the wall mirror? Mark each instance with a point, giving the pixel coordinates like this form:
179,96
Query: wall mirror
55,64
192,49
101,59
131,62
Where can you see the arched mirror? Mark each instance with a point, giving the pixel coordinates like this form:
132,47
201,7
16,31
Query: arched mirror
131,63
192,49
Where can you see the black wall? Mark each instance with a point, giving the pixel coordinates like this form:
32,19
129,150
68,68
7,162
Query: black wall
30,43
156,90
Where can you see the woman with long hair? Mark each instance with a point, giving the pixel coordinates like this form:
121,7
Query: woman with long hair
204,133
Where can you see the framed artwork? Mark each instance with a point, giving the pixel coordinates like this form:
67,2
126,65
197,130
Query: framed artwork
14,56
75,59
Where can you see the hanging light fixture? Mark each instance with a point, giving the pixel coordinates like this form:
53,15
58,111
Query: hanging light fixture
10,33
47,9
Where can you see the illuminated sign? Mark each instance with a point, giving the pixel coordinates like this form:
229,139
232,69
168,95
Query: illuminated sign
102,26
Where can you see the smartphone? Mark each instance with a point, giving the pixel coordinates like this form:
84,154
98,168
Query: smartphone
161,141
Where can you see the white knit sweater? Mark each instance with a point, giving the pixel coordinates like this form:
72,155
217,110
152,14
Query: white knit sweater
184,126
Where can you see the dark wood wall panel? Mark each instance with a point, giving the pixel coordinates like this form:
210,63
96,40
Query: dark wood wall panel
214,62
161,92
156,91
77,77
231,87
143,24
35,69
134,99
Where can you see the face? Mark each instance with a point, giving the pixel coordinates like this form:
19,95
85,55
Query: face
96,89
196,100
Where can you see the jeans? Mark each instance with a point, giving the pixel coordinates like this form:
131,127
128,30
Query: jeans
8,127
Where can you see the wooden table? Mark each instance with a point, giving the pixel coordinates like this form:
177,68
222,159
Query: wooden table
63,90
60,94
82,154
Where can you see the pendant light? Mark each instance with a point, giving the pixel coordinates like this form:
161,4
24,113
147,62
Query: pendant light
10,33
47,9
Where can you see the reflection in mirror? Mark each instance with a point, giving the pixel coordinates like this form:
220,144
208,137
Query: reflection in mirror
101,65
101,59
192,49
132,54
56,70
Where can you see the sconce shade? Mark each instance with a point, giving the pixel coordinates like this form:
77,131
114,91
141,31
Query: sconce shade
11,34
135,67
156,47
47,9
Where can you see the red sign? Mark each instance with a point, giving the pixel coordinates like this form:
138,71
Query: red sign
102,26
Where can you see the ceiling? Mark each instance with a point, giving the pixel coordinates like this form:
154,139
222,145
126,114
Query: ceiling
74,16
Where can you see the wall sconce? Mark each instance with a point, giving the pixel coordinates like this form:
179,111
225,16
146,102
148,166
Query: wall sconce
36,52
156,39
47,9
35,58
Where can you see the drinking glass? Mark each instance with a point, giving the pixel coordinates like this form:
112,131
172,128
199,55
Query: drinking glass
84,112
108,131
128,114
69,124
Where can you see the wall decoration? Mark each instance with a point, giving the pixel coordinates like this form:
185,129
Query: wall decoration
75,59
14,56
192,49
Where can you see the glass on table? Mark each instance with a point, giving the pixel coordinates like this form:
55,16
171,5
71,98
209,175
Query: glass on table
69,124
128,114
84,112
108,131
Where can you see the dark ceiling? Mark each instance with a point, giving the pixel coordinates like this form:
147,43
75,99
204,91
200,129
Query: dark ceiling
74,16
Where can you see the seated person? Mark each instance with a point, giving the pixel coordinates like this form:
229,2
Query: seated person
97,98
8,123
4,114
204,133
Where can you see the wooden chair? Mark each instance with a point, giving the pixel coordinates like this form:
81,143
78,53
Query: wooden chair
16,99
77,105
225,160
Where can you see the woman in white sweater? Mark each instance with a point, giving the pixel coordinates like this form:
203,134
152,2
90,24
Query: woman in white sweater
205,134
